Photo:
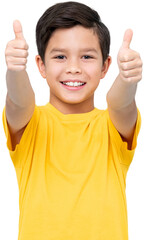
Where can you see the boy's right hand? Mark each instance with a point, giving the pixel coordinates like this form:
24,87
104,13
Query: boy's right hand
16,52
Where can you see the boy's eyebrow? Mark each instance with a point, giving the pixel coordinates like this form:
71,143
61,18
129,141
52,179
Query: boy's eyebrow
81,50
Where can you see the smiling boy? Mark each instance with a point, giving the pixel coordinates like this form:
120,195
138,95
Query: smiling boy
71,159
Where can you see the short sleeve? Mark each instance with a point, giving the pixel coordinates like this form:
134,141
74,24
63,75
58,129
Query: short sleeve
126,155
26,141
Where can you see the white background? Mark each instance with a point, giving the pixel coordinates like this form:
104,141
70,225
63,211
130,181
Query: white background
118,16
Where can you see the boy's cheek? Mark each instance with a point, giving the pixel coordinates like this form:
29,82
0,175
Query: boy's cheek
94,72
55,68
90,69
55,73
59,71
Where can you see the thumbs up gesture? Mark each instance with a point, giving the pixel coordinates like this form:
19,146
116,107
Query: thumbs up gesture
16,52
129,61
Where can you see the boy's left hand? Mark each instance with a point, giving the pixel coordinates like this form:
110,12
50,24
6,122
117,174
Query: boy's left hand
129,61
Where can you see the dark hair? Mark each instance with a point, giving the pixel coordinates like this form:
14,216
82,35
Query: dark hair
67,15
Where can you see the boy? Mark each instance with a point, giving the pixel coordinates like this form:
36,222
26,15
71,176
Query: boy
71,159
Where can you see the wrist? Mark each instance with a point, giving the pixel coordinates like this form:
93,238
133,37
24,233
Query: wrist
121,94
126,82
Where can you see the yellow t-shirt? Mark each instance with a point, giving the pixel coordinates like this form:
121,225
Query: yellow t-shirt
71,171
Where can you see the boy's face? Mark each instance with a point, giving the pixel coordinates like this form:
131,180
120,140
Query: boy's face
73,54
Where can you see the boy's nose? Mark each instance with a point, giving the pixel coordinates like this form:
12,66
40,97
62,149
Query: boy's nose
73,68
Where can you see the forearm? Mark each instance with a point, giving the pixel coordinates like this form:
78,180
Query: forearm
20,100
19,88
122,94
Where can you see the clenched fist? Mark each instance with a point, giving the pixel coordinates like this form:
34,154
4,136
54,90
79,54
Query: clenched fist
129,61
16,52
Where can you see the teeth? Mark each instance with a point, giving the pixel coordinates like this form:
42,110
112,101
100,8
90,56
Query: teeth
73,84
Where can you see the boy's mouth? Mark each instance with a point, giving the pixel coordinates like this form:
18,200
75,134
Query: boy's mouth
73,85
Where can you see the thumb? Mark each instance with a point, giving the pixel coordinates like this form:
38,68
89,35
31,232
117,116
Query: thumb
127,38
17,27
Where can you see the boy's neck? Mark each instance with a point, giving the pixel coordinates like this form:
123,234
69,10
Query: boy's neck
71,108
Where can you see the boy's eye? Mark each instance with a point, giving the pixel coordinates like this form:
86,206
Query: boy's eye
60,57
87,57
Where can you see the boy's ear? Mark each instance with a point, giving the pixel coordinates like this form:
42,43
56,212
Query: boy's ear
105,66
41,66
